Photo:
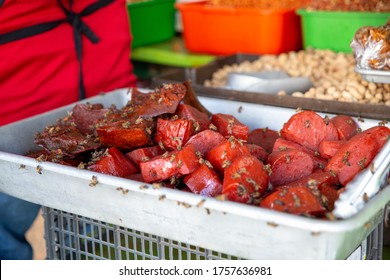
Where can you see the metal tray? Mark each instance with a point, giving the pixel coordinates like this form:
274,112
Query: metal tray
375,76
200,74
228,227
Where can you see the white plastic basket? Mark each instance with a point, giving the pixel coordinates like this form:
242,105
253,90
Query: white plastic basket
174,223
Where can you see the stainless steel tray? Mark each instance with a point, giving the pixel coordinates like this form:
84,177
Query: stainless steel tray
375,76
239,230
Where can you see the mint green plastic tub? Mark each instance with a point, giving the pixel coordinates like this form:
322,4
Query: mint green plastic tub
335,30
152,21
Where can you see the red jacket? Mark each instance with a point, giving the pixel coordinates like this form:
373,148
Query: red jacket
42,72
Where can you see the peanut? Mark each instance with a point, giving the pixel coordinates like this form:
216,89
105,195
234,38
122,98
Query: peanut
331,73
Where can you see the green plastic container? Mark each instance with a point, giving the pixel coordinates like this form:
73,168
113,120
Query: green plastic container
170,53
152,21
335,30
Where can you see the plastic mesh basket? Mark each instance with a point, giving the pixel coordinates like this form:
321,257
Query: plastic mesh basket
74,237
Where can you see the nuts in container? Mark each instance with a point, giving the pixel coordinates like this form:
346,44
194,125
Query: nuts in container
331,73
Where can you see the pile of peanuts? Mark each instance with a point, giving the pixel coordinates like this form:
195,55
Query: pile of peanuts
331,73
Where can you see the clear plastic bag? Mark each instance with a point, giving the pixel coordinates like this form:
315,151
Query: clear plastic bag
371,46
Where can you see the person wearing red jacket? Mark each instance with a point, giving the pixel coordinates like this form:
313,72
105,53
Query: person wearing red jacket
53,53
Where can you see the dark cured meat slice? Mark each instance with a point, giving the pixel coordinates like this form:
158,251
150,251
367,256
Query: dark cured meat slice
55,156
67,138
191,98
163,100
86,116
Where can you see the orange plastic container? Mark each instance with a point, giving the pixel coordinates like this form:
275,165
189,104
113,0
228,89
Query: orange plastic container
228,30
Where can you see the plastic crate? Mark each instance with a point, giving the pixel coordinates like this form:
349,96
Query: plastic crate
335,30
69,236
386,230
152,21
228,30
72,237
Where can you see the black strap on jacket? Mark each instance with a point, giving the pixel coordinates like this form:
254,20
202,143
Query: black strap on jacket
79,29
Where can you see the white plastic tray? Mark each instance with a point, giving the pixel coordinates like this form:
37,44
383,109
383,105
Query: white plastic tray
228,227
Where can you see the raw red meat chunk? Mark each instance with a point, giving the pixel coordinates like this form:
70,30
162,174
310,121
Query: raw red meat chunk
328,149
357,153
299,200
173,134
309,129
346,126
258,152
228,125
114,163
245,180
200,120
283,144
126,135
325,182
204,181
205,140
288,166
264,137
222,155
174,163
144,154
